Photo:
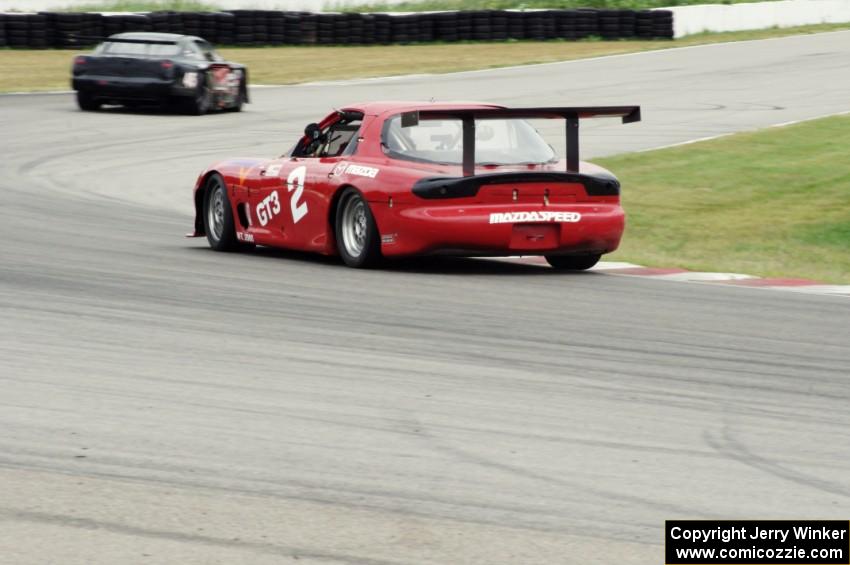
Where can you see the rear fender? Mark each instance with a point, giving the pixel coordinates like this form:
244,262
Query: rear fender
333,207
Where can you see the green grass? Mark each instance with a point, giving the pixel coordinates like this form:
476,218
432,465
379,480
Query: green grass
139,6
427,5
33,70
774,203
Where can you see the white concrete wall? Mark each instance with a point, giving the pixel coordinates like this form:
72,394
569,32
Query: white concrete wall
688,20
307,5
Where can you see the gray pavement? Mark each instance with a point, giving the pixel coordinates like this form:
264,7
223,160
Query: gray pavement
162,403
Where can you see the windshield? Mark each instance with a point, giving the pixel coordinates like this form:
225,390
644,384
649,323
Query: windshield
497,142
147,50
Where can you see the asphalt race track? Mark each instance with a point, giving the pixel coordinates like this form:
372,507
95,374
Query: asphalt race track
163,403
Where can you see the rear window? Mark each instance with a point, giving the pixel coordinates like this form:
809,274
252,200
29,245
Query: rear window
144,50
498,141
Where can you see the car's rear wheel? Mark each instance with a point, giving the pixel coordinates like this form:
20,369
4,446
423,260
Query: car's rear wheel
87,102
201,102
240,99
572,262
218,216
357,237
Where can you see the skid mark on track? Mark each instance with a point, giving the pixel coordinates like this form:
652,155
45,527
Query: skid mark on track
76,522
436,443
731,447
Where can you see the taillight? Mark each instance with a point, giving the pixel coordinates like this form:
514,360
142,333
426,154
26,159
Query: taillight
168,69
79,66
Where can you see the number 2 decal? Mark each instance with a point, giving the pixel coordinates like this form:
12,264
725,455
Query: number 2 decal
295,182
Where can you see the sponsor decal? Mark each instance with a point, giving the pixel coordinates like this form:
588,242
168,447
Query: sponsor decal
273,170
246,237
268,208
361,171
339,169
388,238
541,216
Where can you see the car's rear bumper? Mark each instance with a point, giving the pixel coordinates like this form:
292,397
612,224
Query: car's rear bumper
129,88
503,229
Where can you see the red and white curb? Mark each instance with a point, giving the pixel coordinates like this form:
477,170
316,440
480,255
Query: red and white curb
682,275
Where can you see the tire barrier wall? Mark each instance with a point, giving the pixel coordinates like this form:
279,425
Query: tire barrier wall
262,27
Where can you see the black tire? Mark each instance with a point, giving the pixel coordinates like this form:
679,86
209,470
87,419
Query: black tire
240,99
201,102
572,262
357,237
87,102
218,215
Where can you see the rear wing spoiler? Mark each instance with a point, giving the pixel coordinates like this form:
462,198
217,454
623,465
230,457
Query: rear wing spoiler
572,115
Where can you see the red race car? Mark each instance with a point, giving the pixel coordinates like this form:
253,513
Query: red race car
395,179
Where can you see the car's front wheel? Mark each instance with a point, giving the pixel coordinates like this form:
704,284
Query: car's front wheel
572,262
218,216
357,237
87,102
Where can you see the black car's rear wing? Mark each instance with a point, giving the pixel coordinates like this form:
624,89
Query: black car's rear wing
572,115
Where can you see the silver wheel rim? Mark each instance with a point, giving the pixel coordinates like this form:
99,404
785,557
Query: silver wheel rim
215,212
355,226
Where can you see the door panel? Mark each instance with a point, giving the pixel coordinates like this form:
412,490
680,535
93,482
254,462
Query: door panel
289,203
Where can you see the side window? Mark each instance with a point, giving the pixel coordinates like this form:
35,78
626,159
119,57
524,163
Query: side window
192,51
334,141
338,139
206,51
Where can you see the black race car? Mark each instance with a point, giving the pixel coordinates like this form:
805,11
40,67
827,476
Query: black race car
132,69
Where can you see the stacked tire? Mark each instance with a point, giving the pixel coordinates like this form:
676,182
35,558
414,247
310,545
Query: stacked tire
72,30
609,24
383,28
628,24
275,26
662,24
464,26
125,23
533,26
425,28
445,26
480,20
161,21
26,30
405,29
587,24
264,27
515,25
243,22
565,24
368,29
225,28
499,25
